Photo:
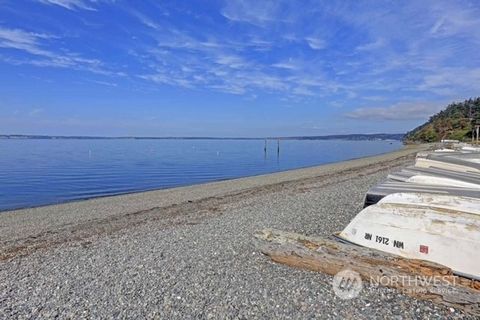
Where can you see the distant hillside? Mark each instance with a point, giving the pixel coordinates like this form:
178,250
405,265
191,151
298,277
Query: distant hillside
454,122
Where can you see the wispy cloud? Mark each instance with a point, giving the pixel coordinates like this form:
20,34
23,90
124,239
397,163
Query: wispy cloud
22,40
375,45
31,43
449,80
303,91
71,4
145,20
452,18
399,111
336,51
35,112
289,65
254,12
231,61
105,83
316,43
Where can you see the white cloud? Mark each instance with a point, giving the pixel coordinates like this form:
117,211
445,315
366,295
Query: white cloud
31,43
22,40
252,11
35,112
145,20
374,98
232,61
357,49
105,83
316,43
399,111
285,65
444,80
71,4
229,88
377,44
453,19
303,91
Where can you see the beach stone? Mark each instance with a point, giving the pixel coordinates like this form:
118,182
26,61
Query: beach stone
207,269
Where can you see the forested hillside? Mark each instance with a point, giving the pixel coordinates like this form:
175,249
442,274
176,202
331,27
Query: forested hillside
454,122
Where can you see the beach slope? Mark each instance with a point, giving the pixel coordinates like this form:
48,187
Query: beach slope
190,253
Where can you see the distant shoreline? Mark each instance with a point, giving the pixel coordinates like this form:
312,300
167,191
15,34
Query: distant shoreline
373,136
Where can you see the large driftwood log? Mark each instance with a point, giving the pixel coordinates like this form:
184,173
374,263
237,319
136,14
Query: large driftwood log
426,280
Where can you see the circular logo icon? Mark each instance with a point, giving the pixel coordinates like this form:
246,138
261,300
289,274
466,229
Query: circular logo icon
347,284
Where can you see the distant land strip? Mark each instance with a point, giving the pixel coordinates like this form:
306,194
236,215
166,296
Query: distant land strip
373,136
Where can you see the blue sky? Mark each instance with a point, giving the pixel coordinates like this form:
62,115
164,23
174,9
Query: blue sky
233,68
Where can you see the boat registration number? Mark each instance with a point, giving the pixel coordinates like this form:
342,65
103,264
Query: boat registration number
384,240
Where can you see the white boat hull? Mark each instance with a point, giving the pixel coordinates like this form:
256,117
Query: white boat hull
453,178
423,227
441,181
376,193
455,203
429,163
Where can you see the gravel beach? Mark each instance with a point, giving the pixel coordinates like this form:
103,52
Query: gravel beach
188,253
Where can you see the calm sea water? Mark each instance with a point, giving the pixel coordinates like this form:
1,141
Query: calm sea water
40,172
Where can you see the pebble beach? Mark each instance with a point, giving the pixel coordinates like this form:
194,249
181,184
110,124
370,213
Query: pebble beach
189,252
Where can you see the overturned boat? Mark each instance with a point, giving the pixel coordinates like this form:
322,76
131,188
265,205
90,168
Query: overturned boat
439,228
381,190
465,204
438,177
460,162
444,150
470,149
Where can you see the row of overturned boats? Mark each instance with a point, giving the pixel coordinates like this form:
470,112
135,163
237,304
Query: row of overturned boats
428,211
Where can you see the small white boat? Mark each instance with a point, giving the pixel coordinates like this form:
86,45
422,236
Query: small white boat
471,149
439,153
436,177
473,160
448,164
381,190
441,229
441,181
465,204
464,176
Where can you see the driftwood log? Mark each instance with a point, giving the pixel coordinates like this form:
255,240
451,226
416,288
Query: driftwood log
431,281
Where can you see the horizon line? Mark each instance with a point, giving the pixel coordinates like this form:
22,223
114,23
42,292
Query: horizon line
43,136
